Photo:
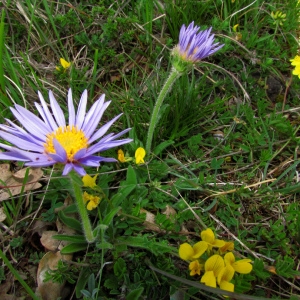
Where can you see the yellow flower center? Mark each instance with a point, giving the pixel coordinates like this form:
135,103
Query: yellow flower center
70,138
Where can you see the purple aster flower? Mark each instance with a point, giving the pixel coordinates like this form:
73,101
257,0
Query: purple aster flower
195,45
49,140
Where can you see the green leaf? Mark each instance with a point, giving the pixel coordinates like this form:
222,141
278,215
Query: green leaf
109,217
82,280
120,267
130,176
216,163
111,283
259,269
158,149
156,248
104,245
71,209
285,267
74,247
70,222
135,294
70,238
123,192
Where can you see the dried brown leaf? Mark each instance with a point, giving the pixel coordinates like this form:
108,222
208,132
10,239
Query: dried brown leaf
12,184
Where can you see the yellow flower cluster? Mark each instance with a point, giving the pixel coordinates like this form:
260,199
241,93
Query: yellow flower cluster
140,154
221,265
296,63
92,201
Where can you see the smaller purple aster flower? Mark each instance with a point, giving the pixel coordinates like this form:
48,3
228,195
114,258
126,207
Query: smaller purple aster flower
49,140
195,45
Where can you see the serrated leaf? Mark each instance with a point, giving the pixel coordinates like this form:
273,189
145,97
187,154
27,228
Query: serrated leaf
259,270
120,267
111,284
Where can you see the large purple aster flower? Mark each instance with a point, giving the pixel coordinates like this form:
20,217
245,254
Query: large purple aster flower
49,140
195,45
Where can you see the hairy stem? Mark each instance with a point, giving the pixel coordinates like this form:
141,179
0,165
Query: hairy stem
155,114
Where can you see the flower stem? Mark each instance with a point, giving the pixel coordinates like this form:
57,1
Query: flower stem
82,210
155,114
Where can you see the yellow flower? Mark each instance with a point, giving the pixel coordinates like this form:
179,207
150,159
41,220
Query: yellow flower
224,277
195,267
122,158
209,237
139,155
212,267
187,252
64,65
229,246
296,71
278,17
242,266
89,181
93,201
295,61
234,28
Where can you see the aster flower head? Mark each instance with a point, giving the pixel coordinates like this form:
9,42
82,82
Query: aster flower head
49,140
193,46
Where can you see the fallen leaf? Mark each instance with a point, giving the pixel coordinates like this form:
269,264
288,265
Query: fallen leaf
48,242
169,211
50,290
13,184
149,223
2,214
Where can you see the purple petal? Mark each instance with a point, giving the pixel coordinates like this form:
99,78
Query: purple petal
94,161
71,109
57,111
12,156
31,122
45,163
105,146
48,115
68,168
59,150
93,117
80,153
103,129
21,143
57,158
81,110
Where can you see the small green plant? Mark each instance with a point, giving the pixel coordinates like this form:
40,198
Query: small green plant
63,273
